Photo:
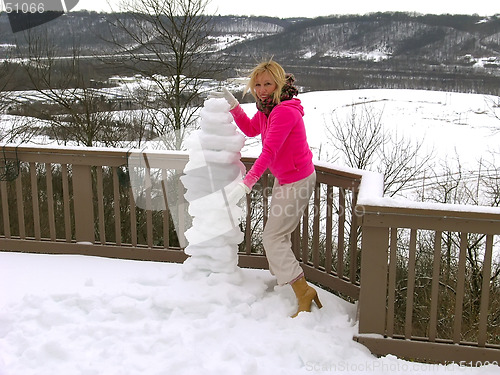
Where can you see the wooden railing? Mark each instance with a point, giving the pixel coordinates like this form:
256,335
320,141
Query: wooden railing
81,201
427,290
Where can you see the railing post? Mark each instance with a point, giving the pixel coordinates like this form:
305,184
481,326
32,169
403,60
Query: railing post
373,293
83,204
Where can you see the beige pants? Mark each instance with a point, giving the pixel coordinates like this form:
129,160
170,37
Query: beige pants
288,203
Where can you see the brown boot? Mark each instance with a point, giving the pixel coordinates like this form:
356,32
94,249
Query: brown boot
305,295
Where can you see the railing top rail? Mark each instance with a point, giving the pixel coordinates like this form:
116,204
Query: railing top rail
402,207
443,210
355,175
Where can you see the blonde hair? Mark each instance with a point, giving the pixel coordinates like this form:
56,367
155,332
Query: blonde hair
277,73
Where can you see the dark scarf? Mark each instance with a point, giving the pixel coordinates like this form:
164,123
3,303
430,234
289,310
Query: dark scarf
287,92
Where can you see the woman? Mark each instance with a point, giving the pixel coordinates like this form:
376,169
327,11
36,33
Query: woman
286,153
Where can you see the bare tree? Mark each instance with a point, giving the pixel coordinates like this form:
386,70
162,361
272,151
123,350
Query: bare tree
4,82
3,94
490,180
493,105
168,43
69,110
363,143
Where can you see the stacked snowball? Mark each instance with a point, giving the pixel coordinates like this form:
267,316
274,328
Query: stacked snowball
214,167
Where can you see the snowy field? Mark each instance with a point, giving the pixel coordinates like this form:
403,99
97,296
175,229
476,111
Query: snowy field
75,315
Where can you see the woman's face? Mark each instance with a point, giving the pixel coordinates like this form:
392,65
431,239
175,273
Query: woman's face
264,85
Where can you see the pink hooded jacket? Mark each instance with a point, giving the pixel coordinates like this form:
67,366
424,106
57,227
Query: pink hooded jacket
285,150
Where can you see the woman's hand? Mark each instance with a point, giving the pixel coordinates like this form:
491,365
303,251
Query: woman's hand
233,102
236,192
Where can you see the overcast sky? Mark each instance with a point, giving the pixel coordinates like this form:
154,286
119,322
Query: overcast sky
315,8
